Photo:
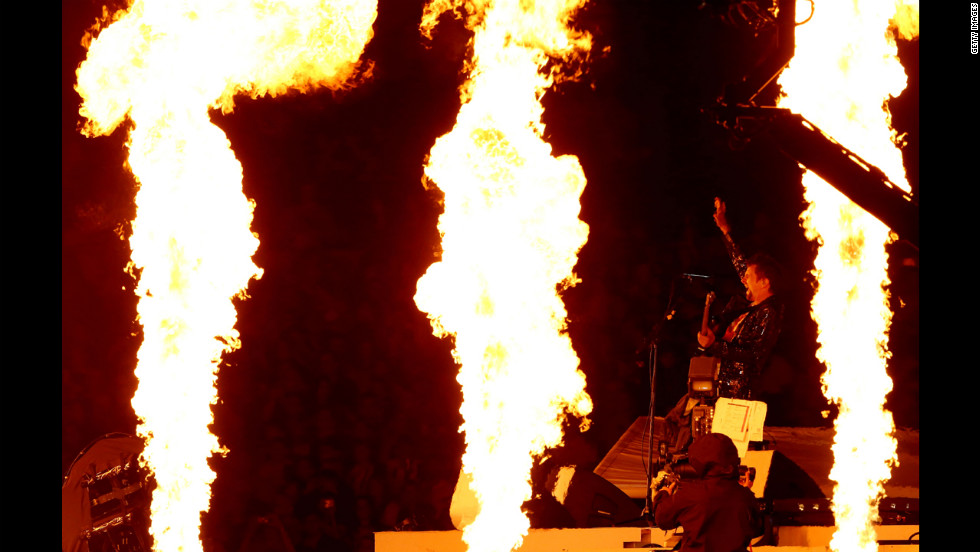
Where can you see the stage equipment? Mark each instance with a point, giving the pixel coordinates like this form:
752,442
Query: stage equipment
702,379
702,376
797,138
899,511
105,498
777,476
592,501
658,443
802,141
772,20
817,511
794,472
797,512
746,476
755,15
701,419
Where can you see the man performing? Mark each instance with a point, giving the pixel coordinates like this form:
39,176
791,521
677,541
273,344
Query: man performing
752,329
751,326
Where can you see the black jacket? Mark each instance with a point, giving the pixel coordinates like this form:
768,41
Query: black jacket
743,357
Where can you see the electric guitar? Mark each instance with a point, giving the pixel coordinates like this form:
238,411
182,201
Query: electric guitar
707,316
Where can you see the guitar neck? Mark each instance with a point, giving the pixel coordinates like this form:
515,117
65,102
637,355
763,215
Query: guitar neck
707,310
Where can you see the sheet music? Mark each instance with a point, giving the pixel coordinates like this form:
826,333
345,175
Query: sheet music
740,420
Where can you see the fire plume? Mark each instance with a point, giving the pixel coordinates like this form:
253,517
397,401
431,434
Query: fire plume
843,72
164,65
510,239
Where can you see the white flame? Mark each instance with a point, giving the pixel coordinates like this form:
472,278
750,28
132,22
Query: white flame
163,65
511,235
844,69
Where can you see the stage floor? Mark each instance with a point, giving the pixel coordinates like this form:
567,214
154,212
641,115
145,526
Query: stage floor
617,539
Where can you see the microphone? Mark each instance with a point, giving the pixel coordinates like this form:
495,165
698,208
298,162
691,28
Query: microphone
692,277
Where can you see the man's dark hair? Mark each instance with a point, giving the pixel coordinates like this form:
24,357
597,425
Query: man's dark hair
767,267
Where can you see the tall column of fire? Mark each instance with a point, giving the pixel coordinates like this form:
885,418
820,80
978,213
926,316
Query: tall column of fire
163,65
844,69
510,239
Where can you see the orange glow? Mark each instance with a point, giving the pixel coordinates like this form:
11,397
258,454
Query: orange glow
844,69
163,65
510,238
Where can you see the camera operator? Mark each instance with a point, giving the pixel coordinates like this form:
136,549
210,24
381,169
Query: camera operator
717,513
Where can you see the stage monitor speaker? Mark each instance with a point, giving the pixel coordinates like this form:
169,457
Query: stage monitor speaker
787,480
594,502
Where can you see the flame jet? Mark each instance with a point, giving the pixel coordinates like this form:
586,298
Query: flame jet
163,65
510,238
844,69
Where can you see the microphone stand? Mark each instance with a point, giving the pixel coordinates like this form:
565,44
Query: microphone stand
652,365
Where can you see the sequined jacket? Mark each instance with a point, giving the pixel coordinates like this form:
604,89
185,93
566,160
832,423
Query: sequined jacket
744,354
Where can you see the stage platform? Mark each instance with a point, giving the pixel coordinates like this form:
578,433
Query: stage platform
891,538
792,477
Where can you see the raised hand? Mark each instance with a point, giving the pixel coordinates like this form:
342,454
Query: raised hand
719,215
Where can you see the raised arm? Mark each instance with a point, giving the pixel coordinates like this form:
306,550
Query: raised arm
738,259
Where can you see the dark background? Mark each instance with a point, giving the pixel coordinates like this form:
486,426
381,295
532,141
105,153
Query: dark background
339,386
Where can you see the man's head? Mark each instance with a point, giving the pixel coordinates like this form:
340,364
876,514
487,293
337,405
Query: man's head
762,277
714,455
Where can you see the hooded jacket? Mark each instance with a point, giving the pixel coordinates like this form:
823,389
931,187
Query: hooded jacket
717,514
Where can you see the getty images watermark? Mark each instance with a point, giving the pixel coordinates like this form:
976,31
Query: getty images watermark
974,27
